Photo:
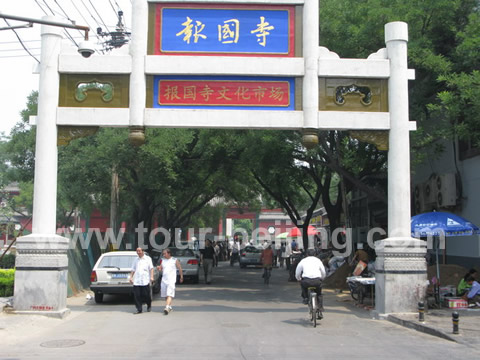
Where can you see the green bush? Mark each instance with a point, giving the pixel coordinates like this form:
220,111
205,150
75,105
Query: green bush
7,277
7,262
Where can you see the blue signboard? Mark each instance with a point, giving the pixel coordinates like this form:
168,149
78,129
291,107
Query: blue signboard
231,30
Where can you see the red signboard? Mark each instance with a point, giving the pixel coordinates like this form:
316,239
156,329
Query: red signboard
223,93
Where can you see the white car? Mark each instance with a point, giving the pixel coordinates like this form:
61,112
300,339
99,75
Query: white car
111,273
250,255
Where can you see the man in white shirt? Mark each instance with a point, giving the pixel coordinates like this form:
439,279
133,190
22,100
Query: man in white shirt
141,276
168,267
235,252
310,272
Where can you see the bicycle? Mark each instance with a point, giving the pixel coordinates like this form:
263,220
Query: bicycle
314,305
267,272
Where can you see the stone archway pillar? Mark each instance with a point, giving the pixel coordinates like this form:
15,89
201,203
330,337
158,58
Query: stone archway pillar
400,266
41,275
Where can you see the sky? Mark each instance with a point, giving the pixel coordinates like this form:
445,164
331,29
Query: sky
16,66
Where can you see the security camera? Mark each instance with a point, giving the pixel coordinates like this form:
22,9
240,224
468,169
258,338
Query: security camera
86,48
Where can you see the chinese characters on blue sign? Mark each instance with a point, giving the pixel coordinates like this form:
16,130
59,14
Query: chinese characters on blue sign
224,29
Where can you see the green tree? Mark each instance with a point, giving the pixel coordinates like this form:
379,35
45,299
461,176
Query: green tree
162,183
443,50
299,180
16,163
3,163
20,148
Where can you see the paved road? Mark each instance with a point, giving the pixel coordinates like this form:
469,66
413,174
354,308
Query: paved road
236,317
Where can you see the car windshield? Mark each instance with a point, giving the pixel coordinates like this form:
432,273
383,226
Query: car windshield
117,261
252,249
181,252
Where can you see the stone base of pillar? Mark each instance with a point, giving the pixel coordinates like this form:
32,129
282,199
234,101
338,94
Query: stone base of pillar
54,314
401,275
41,275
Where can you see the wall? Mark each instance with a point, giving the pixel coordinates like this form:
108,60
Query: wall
462,250
80,265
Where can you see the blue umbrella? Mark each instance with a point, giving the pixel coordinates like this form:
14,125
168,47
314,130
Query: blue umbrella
438,224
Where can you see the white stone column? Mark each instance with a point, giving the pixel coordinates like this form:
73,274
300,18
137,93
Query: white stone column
41,262
400,265
138,84
45,181
396,37
310,80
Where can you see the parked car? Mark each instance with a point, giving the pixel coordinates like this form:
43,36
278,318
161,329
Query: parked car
111,273
250,255
188,261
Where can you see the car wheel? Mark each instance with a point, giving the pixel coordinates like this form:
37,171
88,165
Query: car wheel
98,297
243,266
196,279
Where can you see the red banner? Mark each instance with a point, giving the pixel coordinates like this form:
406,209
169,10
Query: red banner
223,93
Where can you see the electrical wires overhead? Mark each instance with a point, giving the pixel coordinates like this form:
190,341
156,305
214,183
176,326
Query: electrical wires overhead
103,14
21,43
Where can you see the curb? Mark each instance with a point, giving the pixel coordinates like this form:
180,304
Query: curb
421,327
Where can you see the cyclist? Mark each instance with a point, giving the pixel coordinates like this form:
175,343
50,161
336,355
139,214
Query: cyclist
267,259
310,272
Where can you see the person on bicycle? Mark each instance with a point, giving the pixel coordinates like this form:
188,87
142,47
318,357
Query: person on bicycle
310,272
266,258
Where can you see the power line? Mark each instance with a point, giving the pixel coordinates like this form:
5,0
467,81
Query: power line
14,42
113,8
48,7
17,56
68,18
41,7
21,42
93,17
94,8
60,8
68,35
83,17
19,49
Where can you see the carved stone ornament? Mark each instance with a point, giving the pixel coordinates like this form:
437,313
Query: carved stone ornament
404,264
83,88
342,91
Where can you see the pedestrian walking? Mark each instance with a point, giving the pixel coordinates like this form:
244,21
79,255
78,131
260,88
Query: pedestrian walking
235,251
207,257
288,253
141,276
216,248
169,266
276,254
283,249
